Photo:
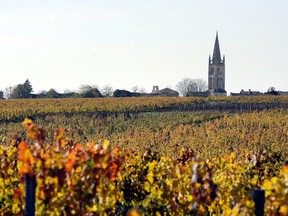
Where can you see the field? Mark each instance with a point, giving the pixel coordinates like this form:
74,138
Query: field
145,156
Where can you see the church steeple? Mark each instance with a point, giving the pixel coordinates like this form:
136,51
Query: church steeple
216,58
216,71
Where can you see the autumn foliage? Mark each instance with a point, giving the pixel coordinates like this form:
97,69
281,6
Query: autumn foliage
176,163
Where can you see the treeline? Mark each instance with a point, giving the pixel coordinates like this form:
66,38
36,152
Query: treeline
25,90
89,92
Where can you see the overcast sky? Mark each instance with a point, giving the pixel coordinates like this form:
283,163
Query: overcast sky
63,44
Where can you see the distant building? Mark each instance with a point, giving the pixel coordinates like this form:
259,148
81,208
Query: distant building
257,93
199,94
1,95
164,92
216,72
169,92
246,93
284,93
155,90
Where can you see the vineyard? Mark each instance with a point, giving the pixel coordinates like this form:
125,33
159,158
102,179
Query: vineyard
144,156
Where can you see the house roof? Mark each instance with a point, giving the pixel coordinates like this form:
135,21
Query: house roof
168,91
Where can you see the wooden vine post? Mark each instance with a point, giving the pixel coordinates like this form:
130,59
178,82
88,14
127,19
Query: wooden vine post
29,156
30,195
259,200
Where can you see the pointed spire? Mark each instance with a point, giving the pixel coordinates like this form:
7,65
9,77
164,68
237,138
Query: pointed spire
216,53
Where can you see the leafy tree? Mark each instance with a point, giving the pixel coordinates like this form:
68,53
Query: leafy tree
22,90
28,87
272,91
84,88
52,93
18,92
125,93
88,91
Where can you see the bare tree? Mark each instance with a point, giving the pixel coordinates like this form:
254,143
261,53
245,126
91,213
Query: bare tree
187,85
142,90
135,89
67,91
107,91
8,92
201,85
95,86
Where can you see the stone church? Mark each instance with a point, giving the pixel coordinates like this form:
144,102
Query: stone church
216,74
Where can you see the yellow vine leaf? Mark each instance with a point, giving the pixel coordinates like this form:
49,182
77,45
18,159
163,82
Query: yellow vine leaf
105,144
283,210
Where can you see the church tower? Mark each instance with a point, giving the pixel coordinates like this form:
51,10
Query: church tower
216,72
